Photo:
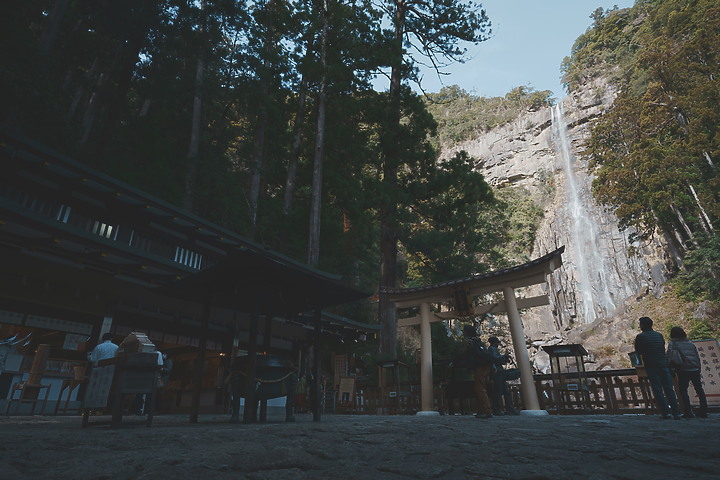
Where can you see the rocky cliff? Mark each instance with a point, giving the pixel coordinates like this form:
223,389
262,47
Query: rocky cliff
542,152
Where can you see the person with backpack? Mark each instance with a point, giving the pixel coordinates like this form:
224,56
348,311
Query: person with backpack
479,360
687,365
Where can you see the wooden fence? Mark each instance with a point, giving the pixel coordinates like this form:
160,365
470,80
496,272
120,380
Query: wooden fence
611,392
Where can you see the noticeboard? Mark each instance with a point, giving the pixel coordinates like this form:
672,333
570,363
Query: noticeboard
709,351
346,392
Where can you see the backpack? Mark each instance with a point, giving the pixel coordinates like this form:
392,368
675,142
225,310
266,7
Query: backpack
675,358
476,354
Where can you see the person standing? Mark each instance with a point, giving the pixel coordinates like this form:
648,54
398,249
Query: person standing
500,389
301,395
651,346
162,382
474,350
106,349
687,371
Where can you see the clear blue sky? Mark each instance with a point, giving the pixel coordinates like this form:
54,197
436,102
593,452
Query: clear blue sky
529,41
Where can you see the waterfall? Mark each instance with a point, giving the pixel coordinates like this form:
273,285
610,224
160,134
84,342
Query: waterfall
590,265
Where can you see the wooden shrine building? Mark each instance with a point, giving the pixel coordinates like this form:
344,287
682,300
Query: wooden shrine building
83,254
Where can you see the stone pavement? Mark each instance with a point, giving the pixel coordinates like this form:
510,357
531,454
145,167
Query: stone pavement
358,447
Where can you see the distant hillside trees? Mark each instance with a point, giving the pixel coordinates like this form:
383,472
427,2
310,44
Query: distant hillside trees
462,115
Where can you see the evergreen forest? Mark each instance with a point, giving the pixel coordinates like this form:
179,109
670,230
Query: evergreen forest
265,117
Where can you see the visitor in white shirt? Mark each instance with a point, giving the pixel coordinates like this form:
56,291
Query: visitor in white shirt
103,350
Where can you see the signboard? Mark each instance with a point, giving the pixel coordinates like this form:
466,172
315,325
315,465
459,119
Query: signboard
49,323
709,351
73,341
98,390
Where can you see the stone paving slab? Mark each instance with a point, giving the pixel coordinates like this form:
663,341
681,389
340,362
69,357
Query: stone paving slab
355,447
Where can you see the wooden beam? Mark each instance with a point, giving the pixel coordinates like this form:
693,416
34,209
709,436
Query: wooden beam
498,307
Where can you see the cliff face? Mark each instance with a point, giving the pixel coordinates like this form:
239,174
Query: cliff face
542,152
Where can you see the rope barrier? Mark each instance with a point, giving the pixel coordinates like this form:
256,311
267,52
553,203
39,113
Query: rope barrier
260,380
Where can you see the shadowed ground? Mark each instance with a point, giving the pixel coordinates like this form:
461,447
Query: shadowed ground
364,448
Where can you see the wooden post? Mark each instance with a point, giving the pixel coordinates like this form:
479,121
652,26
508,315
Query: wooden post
267,335
200,360
317,323
250,410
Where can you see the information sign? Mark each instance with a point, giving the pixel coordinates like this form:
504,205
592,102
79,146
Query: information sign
709,351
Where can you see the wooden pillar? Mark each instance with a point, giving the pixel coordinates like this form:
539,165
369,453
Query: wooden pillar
200,360
316,391
267,335
527,384
426,374
250,410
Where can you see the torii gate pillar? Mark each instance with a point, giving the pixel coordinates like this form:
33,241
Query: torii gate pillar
426,374
527,384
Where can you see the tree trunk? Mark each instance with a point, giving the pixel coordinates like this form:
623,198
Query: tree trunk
257,164
707,225
388,213
91,109
295,151
57,14
709,159
194,147
684,224
315,207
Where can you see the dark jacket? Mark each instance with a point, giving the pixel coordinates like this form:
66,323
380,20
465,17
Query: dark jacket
475,353
498,359
691,358
651,345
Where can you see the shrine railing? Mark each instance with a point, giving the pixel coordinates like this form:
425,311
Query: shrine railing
612,392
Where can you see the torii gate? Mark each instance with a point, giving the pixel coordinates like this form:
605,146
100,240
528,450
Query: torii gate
461,292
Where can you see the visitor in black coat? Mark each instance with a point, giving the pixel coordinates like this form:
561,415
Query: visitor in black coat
651,346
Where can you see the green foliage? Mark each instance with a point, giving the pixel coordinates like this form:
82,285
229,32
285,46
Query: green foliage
521,217
463,116
701,277
609,41
701,329
444,231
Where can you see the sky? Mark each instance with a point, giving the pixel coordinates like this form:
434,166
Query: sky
530,38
